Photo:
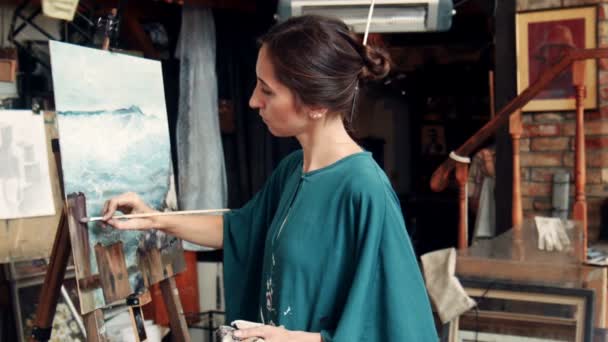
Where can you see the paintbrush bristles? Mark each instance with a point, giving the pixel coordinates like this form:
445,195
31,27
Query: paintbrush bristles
164,213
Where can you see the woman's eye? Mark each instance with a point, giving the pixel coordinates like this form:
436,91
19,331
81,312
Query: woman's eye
266,92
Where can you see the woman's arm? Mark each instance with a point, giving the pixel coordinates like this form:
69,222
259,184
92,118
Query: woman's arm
205,230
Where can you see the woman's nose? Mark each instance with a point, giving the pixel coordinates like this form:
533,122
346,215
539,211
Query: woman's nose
254,101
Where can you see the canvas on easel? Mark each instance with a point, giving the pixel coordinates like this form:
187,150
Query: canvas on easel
29,234
25,186
114,138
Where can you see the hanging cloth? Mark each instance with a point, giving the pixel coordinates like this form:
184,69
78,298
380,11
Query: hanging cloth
201,170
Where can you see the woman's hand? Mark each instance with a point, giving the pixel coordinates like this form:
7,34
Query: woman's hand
277,334
128,203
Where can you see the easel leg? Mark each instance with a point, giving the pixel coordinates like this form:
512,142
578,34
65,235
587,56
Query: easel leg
53,281
177,320
94,324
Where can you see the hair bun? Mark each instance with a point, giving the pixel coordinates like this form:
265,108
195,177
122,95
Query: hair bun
377,64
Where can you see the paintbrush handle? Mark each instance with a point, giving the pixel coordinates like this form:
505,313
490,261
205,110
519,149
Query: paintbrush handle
163,213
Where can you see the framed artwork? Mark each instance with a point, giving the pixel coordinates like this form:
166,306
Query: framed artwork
432,140
25,183
511,311
543,39
31,237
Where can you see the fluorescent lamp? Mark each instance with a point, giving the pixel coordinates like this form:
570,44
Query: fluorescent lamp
388,16
385,19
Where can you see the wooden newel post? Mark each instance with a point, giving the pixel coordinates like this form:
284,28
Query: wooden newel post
462,176
580,169
515,129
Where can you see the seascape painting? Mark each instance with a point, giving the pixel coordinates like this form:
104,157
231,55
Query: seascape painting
25,185
114,138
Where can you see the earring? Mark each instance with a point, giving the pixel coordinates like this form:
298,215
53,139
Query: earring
315,115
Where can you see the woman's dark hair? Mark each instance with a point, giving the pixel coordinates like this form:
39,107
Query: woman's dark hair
322,61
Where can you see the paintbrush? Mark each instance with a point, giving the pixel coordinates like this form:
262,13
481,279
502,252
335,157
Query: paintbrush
164,213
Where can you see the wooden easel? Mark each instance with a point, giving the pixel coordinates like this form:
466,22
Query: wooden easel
74,209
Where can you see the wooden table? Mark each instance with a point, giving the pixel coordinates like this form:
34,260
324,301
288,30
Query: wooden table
517,259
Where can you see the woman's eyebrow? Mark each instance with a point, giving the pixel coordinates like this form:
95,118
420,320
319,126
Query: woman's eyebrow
263,82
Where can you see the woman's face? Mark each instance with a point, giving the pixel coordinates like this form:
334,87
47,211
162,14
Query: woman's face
276,103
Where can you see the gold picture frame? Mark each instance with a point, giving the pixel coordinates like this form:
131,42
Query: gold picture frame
542,38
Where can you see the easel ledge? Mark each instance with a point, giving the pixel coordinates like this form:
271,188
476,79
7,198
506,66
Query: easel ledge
94,321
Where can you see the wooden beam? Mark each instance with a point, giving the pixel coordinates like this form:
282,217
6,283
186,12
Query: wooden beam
241,5
138,38
113,271
177,319
76,208
95,326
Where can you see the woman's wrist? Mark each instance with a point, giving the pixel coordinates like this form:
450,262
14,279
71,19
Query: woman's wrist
160,223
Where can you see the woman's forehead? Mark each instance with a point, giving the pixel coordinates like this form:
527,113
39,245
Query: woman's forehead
265,70
264,66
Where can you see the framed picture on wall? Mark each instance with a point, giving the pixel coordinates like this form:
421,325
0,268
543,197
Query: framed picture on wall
543,39
432,140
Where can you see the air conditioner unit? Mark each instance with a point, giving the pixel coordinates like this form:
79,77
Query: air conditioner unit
388,16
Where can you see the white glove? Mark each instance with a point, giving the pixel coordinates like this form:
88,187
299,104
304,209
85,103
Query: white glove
551,234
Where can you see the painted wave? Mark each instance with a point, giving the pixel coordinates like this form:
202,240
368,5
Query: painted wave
106,153
131,110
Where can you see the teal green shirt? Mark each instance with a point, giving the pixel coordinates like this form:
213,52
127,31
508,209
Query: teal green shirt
326,251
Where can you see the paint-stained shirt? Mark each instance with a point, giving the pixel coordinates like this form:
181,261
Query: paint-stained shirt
326,251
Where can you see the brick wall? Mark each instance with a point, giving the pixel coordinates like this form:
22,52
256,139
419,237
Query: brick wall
547,145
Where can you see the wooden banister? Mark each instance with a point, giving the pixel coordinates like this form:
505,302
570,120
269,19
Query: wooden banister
516,129
462,177
580,167
439,180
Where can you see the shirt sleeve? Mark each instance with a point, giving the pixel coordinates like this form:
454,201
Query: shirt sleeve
244,238
387,300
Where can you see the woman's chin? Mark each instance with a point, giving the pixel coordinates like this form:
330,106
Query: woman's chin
278,133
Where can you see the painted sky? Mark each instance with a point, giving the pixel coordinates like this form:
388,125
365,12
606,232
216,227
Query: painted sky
88,78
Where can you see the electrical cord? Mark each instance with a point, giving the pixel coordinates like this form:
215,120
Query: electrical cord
481,299
460,3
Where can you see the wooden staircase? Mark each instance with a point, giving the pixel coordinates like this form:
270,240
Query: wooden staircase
520,260
511,113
